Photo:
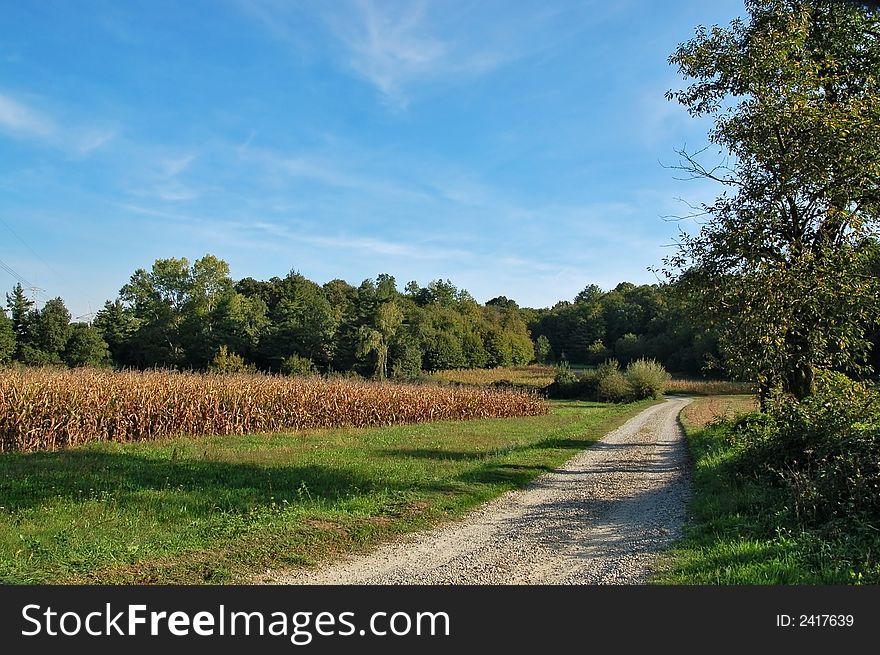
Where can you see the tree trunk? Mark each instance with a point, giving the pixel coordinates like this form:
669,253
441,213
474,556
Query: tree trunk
801,381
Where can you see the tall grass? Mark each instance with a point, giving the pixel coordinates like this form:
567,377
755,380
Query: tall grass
47,409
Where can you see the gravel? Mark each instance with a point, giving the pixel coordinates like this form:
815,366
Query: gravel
601,518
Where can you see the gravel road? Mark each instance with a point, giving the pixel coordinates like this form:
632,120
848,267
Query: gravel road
601,518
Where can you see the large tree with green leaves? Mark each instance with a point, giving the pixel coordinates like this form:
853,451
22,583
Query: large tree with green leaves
780,260
86,347
7,338
48,331
19,308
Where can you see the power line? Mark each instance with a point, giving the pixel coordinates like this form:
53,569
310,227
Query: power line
6,267
33,288
25,244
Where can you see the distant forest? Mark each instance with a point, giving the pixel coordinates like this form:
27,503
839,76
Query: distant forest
178,315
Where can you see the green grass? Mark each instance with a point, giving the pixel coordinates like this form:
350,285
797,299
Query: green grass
222,509
742,533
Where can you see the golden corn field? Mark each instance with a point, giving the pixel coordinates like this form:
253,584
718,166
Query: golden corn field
708,387
47,409
536,375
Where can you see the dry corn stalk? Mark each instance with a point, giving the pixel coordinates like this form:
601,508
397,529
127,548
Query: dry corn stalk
47,409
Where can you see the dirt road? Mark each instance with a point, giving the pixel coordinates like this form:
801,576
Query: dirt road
602,518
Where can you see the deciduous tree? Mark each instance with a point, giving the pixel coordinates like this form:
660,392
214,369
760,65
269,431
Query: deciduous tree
794,91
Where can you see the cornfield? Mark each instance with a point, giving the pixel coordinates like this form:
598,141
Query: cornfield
48,409
708,387
536,375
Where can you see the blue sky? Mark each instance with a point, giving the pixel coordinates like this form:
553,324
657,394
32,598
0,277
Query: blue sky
512,147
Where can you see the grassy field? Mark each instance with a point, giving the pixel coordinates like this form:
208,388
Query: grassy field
220,509
737,534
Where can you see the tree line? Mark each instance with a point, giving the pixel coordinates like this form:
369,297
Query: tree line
195,316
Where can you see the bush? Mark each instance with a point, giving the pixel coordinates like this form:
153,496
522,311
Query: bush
646,379
643,379
564,375
296,365
612,388
823,452
565,383
228,362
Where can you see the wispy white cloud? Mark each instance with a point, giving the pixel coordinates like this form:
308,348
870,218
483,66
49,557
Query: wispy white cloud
274,233
174,166
395,45
159,213
24,121
332,174
160,177
174,191
388,48
21,120
343,167
364,244
93,139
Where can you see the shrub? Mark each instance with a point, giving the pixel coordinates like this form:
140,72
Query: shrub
612,388
228,362
611,385
646,379
296,365
564,375
565,383
822,451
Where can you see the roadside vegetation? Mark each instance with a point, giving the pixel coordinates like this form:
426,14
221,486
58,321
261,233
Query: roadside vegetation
642,378
219,509
787,496
786,266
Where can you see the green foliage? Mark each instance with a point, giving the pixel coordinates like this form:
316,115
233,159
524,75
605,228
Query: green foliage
45,333
118,326
7,338
564,374
827,453
296,365
788,496
179,315
297,319
86,347
406,358
174,305
19,309
629,347
226,361
780,262
543,350
629,322
742,531
646,378
821,453
642,379
597,352
611,384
